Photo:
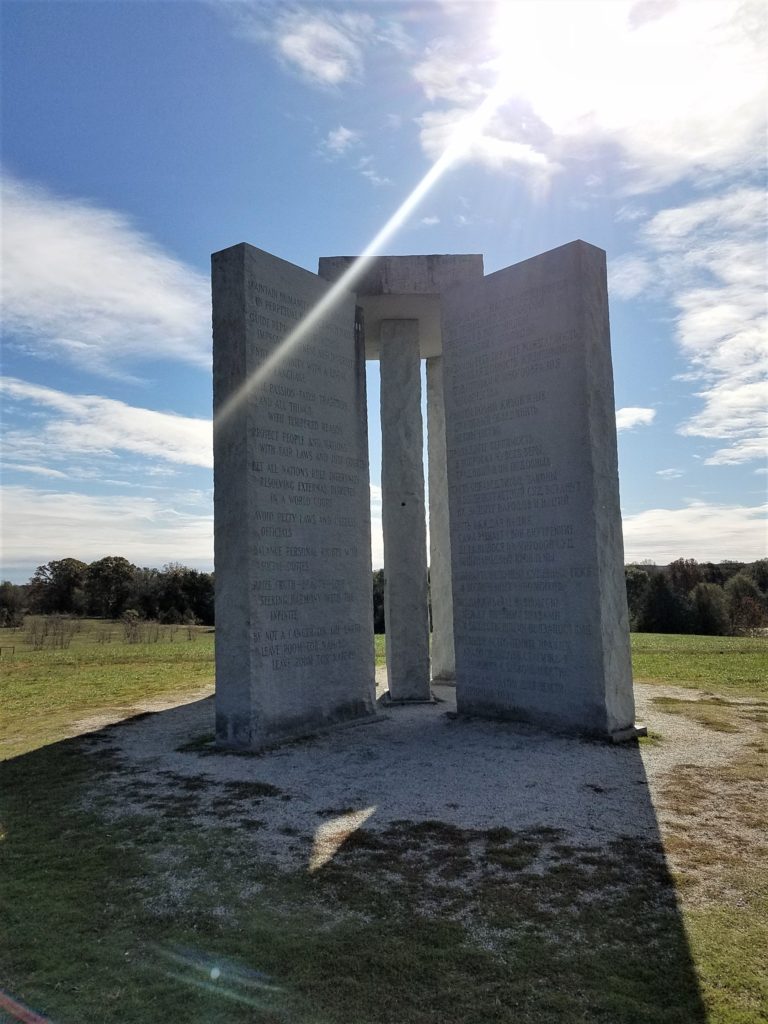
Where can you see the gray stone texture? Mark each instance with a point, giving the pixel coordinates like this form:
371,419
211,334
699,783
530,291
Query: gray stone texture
443,657
294,637
540,613
403,513
404,288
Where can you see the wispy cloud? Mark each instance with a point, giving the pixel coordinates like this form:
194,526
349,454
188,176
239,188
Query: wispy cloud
46,471
80,283
708,259
339,141
367,169
324,50
93,426
40,525
634,416
498,145
703,531
670,474
629,276
377,535
325,45
630,212
451,71
429,222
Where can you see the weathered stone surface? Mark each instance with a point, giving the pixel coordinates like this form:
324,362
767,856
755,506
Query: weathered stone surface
294,637
403,513
443,657
540,612
404,288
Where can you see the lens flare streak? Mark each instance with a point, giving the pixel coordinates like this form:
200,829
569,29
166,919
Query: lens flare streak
222,978
460,143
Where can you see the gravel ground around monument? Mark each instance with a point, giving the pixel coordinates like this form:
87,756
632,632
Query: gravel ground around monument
416,764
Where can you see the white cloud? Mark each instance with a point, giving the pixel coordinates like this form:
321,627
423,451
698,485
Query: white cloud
376,500
630,212
377,536
325,45
93,426
708,259
629,276
366,168
19,467
449,72
675,93
670,474
41,525
634,416
340,140
430,221
736,210
319,49
392,33
700,530
738,411
82,284
497,146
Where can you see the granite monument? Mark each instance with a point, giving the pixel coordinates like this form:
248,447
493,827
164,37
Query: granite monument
526,562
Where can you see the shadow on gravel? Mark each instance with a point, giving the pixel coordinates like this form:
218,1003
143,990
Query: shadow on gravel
476,872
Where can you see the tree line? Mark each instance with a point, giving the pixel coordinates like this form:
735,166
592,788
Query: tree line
110,588
717,599
707,598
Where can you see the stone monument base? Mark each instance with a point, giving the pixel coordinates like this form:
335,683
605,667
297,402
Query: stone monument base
258,745
632,732
553,723
387,701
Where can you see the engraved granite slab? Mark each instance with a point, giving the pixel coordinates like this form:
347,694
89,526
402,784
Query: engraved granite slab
540,613
294,634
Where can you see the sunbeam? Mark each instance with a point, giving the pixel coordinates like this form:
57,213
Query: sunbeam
461,140
331,836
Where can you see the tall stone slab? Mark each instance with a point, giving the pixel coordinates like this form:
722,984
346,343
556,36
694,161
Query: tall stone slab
440,586
294,636
540,612
403,513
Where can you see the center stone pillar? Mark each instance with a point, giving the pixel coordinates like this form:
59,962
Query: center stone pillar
403,512
441,586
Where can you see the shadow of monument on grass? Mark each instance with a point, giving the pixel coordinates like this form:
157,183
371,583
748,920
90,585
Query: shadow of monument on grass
529,866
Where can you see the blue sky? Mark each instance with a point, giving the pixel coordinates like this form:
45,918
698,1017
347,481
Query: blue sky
137,138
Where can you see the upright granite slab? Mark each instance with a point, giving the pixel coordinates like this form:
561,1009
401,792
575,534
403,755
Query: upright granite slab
406,599
443,657
540,613
294,632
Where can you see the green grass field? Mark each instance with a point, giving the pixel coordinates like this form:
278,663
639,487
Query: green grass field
620,938
45,693
717,664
